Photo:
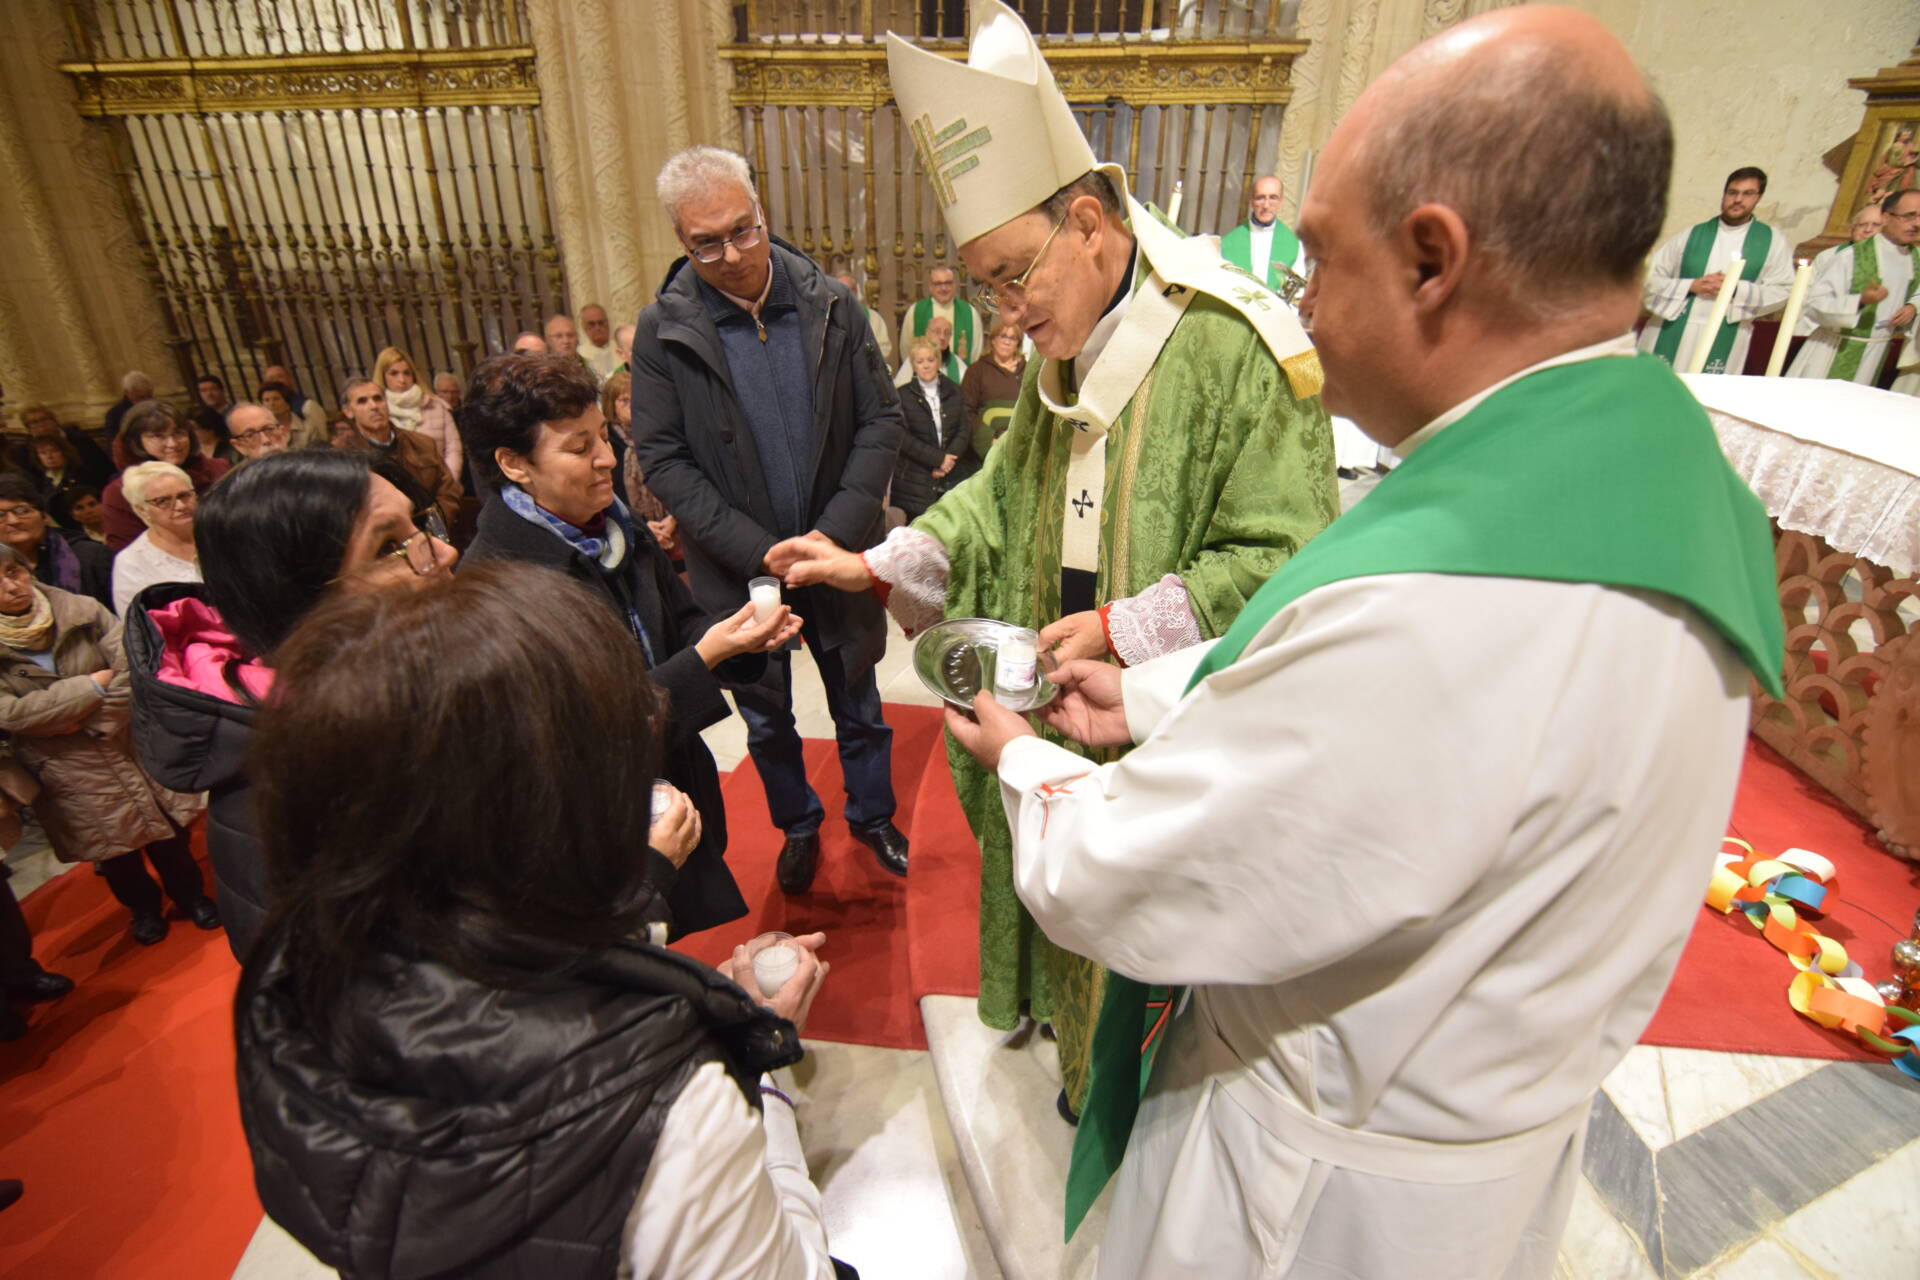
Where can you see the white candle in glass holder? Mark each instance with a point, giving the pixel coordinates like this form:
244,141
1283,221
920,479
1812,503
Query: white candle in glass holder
765,594
1015,660
1729,277
1790,318
774,966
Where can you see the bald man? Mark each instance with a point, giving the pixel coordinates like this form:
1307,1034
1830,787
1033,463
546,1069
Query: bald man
596,341
1264,245
529,343
1374,825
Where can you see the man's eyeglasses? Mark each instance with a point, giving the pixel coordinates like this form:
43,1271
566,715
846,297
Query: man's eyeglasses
714,250
258,434
1014,292
174,501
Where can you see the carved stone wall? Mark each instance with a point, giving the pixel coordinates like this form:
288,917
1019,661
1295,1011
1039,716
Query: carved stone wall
76,311
623,86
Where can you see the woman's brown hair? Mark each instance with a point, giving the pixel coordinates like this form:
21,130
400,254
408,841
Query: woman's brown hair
457,775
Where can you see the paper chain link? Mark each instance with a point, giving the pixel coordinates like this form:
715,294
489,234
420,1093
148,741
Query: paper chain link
1830,989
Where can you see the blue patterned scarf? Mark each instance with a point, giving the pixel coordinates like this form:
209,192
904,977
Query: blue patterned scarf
608,552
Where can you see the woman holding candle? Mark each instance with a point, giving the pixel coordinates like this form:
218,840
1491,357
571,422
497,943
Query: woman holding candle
537,440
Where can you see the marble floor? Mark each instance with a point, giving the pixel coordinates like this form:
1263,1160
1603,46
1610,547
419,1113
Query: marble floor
949,1162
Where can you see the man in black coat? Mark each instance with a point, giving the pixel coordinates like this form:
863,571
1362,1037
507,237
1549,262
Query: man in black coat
761,412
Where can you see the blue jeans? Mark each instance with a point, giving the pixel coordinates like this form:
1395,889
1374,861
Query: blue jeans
866,744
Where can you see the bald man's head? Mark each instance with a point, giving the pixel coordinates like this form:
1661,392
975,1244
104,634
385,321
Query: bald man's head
1536,127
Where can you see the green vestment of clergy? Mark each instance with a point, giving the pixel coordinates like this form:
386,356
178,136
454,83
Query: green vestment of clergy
1215,472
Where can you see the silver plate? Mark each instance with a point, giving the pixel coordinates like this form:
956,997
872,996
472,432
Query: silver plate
956,660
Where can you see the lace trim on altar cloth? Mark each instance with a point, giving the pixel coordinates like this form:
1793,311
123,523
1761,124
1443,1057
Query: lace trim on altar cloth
1157,621
1860,506
914,568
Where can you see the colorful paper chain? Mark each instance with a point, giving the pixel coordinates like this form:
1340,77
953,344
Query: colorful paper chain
1830,988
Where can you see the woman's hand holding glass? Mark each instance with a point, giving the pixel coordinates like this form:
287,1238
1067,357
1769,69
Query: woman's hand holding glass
731,637
795,999
676,832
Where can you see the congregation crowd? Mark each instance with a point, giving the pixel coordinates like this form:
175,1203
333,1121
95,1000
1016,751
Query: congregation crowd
434,652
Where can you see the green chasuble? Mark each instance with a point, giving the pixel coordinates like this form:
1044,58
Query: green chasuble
1693,265
1215,472
1237,247
1603,471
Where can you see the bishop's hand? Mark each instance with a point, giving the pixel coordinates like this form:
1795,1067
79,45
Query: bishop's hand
1091,708
1078,635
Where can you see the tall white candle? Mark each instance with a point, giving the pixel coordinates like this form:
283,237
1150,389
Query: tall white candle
1790,318
1173,205
1729,277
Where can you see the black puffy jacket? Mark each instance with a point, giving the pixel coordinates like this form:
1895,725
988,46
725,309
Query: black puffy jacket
506,1133
196,739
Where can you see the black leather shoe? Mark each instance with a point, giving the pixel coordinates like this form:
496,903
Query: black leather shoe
12,1027
10,1191
799,858
887,844
41,986
204,914
148,928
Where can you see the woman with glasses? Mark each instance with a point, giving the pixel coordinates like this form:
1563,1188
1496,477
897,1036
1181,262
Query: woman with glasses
162,495
536,435
275,539
63,703
83,568
152,431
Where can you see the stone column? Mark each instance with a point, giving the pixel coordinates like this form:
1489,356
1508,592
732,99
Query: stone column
622,87
77,309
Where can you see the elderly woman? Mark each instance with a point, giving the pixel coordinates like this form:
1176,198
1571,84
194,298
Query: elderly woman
989,390
51,460
281,535
162,495
63,700
412,406
510,1081
616,406
152,431
935,435
537,438
84,568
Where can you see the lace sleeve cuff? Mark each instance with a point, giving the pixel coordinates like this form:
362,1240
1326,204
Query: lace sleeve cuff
911,570
1158,621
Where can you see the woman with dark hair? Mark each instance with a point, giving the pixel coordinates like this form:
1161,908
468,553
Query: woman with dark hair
452,1046
81,568
536,438
53,463
275,539
80,515
63,701
152,431
215,438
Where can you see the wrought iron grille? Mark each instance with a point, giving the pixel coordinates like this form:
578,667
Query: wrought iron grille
319,179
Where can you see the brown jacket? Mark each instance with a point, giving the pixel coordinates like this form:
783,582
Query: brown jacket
95,801
420,457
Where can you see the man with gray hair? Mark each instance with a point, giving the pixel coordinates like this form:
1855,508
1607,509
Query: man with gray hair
255,432
1352,868
527,342
761,412
623,348
134,388
596,341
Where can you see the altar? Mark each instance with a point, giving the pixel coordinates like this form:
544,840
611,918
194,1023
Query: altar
1838,467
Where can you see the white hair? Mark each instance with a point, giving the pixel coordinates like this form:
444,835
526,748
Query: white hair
136,480
697,170
624,335
133,379
444,374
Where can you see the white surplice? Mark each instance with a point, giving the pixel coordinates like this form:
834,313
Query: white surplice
1429,851
1832,306
1667,291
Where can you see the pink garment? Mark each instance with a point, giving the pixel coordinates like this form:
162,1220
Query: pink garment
196,649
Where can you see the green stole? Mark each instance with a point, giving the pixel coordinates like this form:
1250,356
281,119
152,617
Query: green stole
1237,247
952,368
962,324
1605,471
1693,265
1866,271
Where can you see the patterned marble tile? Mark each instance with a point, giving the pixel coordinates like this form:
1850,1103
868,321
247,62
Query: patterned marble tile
1764,1259
1703,1086
1867,1228
1638,1087
1597,1245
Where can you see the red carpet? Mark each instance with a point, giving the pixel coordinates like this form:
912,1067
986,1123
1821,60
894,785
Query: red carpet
882,932
118,1107
1730,993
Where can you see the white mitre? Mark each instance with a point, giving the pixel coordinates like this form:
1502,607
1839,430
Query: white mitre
995,134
